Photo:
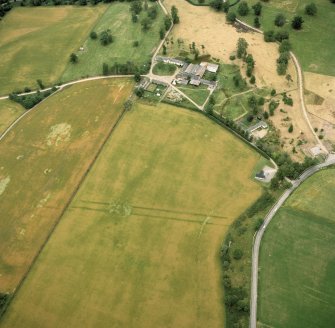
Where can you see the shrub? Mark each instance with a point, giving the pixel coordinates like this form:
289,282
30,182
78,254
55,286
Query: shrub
106,38
290,129
93,35
281,35
297,22
257,8
311,9
280,20
285,46
269,36
243,8
237,254
231,17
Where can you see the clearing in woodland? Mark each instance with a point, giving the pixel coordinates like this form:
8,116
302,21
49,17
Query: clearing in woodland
35,43
140,240
297,260
42,161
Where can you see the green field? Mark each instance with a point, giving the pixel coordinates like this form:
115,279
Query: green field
9,112
297,260
42,161
232,108
35,43
117,18
198,94
314,45
138,246
164,69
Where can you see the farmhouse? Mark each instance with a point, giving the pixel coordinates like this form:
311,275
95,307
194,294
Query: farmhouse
169,60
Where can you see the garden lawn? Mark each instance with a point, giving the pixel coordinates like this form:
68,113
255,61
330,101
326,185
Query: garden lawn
164,69
314,45
9,112
117,18
42,161
198,94
35,43
297,260
139,244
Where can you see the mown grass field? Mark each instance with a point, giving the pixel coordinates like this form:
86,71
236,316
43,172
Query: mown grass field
9,111
35,43
314,44
138,246
42,161
198,94
297,260
117,18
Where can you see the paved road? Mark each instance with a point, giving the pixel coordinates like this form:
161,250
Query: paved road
255,251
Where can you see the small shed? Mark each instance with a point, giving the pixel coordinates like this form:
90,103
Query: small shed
213,68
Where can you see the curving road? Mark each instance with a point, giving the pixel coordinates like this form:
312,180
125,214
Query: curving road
255,250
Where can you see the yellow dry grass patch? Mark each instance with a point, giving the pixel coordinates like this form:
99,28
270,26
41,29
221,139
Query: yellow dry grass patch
207,27
9,111
139,244
301,131
322,111
45,167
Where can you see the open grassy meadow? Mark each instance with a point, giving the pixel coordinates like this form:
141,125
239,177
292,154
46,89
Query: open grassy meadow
314,44
297,260
9,112
117,18
198,94
138,245
35,43
42,161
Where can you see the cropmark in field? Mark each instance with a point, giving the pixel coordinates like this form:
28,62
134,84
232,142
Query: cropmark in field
138,246
42,161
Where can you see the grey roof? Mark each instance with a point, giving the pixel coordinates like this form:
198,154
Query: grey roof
170,60
195,70
258,125
260,175
212,66
209,83
195,80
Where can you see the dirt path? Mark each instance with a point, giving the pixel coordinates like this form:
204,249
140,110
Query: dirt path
300,87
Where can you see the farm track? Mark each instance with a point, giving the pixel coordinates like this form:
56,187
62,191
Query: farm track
268,218
67,204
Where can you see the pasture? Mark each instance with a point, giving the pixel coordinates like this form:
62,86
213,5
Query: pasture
35,43
117,19
138,245
9,112
314,45
297,260
42,161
